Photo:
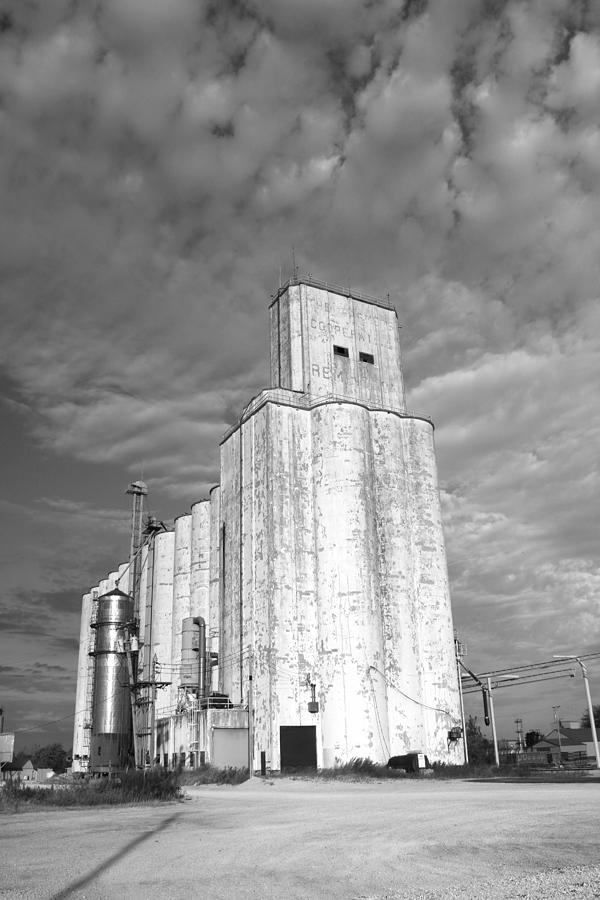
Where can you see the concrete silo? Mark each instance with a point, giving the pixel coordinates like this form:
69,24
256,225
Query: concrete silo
334,586
82,719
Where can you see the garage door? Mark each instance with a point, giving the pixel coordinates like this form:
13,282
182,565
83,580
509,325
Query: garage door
230,747
298,745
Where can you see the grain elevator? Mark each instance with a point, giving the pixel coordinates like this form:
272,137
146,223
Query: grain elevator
301,613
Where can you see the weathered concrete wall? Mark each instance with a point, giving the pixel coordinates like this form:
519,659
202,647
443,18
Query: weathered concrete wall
399,607
200,560
343,581
112,580
82,714
306,323
352,694
231,610
122,581
214,587
436,634
162,616
278,512
143,588
181,595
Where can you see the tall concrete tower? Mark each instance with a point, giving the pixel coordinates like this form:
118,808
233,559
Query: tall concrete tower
334,586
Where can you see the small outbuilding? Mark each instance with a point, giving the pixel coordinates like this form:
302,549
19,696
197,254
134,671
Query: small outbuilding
574,743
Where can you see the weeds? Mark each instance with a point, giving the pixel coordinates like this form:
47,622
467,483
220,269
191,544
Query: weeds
131,787
357,769
212,775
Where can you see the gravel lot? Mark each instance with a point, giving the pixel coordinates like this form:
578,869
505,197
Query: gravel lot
299,839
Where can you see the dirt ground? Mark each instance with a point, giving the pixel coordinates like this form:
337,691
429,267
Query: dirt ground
298,839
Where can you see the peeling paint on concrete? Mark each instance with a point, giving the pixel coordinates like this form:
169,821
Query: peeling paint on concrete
319,559
336,554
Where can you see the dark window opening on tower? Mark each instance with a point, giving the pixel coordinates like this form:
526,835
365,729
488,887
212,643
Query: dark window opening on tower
366,357
340,351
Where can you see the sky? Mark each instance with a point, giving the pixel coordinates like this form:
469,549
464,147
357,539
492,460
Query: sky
161,160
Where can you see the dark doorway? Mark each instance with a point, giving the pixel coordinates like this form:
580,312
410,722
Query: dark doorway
298,745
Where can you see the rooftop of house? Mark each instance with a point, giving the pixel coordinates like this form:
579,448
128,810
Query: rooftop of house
568,736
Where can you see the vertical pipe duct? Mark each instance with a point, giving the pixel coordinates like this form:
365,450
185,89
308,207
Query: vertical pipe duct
189,654
138,491
199,621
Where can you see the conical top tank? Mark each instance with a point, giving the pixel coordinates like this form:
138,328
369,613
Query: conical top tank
111,716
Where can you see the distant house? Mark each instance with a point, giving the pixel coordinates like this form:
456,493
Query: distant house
35,776
574,742
28,771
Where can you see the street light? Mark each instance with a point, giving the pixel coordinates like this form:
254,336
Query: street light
492,719
589,700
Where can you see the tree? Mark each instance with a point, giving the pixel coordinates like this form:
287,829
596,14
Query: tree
585,719
52,756
532,737
480,748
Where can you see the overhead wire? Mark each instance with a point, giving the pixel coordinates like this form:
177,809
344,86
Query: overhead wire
395,687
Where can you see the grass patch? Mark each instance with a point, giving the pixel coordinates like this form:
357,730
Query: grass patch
357,769
212,775
131,787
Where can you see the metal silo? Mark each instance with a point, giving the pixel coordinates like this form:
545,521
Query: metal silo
111,715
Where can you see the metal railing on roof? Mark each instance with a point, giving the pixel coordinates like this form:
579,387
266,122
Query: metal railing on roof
334,288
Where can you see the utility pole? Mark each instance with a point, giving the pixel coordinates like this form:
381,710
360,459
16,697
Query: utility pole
589,701
459,650
250,723
493,721
132,695
491,703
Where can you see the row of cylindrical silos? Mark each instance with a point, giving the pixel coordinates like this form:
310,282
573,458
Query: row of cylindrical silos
176,583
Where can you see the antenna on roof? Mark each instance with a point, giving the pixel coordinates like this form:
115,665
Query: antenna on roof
294,266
